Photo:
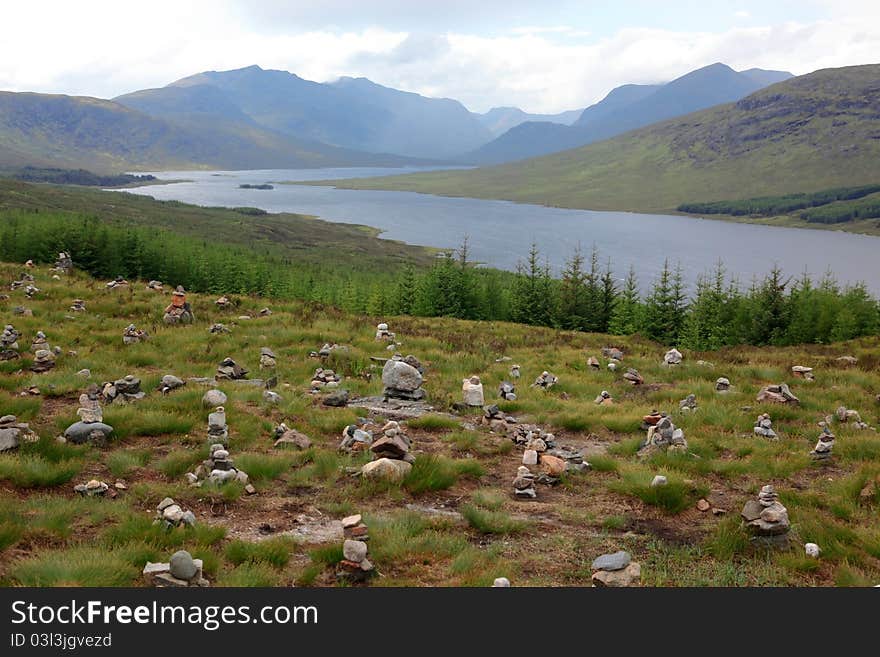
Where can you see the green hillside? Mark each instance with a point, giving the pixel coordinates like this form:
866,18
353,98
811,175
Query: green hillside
104,136
815,132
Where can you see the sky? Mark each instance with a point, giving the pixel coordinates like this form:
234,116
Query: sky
542,56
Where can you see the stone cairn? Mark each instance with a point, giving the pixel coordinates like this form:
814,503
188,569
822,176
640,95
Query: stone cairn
181,571
392,458
604,399
665,437
612,353
169,383
39,342
507,391
229,370
632,375
22,311
617,570
540,449
383,334
169,514
524,484
91,427
673,357
324,378
218,432
16,285
223,302
118,282
824,446
766,519
156,286
29,264
801,372
514,372
593,363
652,419
218,469
267,359
44,359
848,416
124,390
355,439
9,343
688,404
13,433
286,437
778,394
325,351
402,379
846,360
30,291
78,306
355,567
218,328
764,427
472,391
545,381
93,488
132,335
64,263
264,312
722,384
496,420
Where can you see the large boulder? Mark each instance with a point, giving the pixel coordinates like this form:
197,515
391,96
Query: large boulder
398,375
80,432
387,469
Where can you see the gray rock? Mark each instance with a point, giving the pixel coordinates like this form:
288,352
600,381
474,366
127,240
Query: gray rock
401,376
354,550
385,468
182,565
80,432
9,438
337,399
501,582
214,398
271,397
610,562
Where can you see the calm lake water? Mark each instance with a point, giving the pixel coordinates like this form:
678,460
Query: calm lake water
500,232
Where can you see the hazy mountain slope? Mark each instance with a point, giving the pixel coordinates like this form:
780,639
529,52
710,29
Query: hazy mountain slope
809,133
501,119
352,113
625,108
42,129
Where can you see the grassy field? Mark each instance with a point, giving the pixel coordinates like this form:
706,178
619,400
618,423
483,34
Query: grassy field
810,133
454,520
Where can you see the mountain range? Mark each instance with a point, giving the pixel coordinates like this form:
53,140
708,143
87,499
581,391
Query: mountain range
809,133
627,108
256,118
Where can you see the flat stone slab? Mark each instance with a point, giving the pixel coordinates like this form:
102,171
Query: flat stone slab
398,409
616,561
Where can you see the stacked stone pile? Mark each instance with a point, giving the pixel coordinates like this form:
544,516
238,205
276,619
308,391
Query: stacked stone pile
593,363
766,519
722,384
181,571
507,391
802,372
267,358
9,343
93,488
545,381
472,391
616,570
286,437
764,427
91,427
355,566
612,353
688,404
403,378
13,433
216,329
124,390
132,335
496,420
848,416
218,468
604,399
169,514
391,454
218,432
664,436
514,372
673,357
524,483
228,369
78,306
778,394
355,439
632,375
824,446
324,378
382,333
169,383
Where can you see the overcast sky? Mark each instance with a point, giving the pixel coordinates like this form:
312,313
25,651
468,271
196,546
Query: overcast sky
544,56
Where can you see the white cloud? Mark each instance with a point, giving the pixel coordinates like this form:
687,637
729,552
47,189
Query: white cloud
109,49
